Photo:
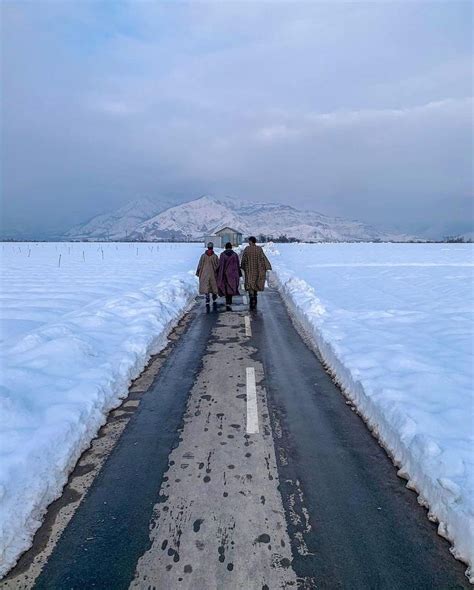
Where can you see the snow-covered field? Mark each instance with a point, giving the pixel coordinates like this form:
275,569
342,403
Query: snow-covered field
78,323
394,322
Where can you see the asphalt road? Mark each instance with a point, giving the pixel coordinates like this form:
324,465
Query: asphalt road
241,466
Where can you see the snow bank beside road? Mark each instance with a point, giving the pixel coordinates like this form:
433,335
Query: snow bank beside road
75,332
394,323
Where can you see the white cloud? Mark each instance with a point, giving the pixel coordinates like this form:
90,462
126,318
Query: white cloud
113,107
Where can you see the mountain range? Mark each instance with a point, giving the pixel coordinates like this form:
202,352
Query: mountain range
144,219
119,224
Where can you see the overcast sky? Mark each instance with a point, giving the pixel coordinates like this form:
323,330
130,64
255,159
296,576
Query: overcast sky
362,110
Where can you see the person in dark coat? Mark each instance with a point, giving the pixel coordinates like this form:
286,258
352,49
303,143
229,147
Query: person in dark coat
207,271
228,275
255,265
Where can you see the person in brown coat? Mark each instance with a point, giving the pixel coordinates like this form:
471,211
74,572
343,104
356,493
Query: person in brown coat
206,271
255,264
228,275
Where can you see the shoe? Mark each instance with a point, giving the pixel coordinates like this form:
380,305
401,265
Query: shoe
228,308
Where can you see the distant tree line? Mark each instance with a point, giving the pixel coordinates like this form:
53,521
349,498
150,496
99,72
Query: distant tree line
457,240
287,240
261,238
281,239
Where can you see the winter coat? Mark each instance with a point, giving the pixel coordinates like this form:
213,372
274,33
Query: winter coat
255,264
228,273
206,271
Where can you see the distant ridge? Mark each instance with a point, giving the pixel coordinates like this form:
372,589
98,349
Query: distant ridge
118,224
144,219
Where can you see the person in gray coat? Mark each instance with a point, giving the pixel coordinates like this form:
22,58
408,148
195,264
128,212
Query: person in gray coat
207,273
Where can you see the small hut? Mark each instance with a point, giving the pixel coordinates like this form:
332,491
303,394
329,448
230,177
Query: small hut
224,235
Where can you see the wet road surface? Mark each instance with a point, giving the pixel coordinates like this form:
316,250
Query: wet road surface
238,465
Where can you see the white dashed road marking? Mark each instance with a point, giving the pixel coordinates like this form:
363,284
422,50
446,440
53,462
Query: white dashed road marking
248,327
252,410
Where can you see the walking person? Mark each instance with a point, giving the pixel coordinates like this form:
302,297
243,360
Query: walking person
255,265
228,275
206,271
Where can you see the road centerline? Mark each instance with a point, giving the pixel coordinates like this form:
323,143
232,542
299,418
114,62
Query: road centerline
248,327
252,409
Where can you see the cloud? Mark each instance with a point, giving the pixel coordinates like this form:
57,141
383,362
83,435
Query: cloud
310,124
113,107
360,110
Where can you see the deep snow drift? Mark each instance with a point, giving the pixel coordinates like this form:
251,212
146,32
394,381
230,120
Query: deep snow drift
78,323
394,323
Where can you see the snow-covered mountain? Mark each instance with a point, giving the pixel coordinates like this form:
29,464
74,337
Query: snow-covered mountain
193,219
207,214
144,220
118,224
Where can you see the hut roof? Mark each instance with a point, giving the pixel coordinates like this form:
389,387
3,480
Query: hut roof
226,228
